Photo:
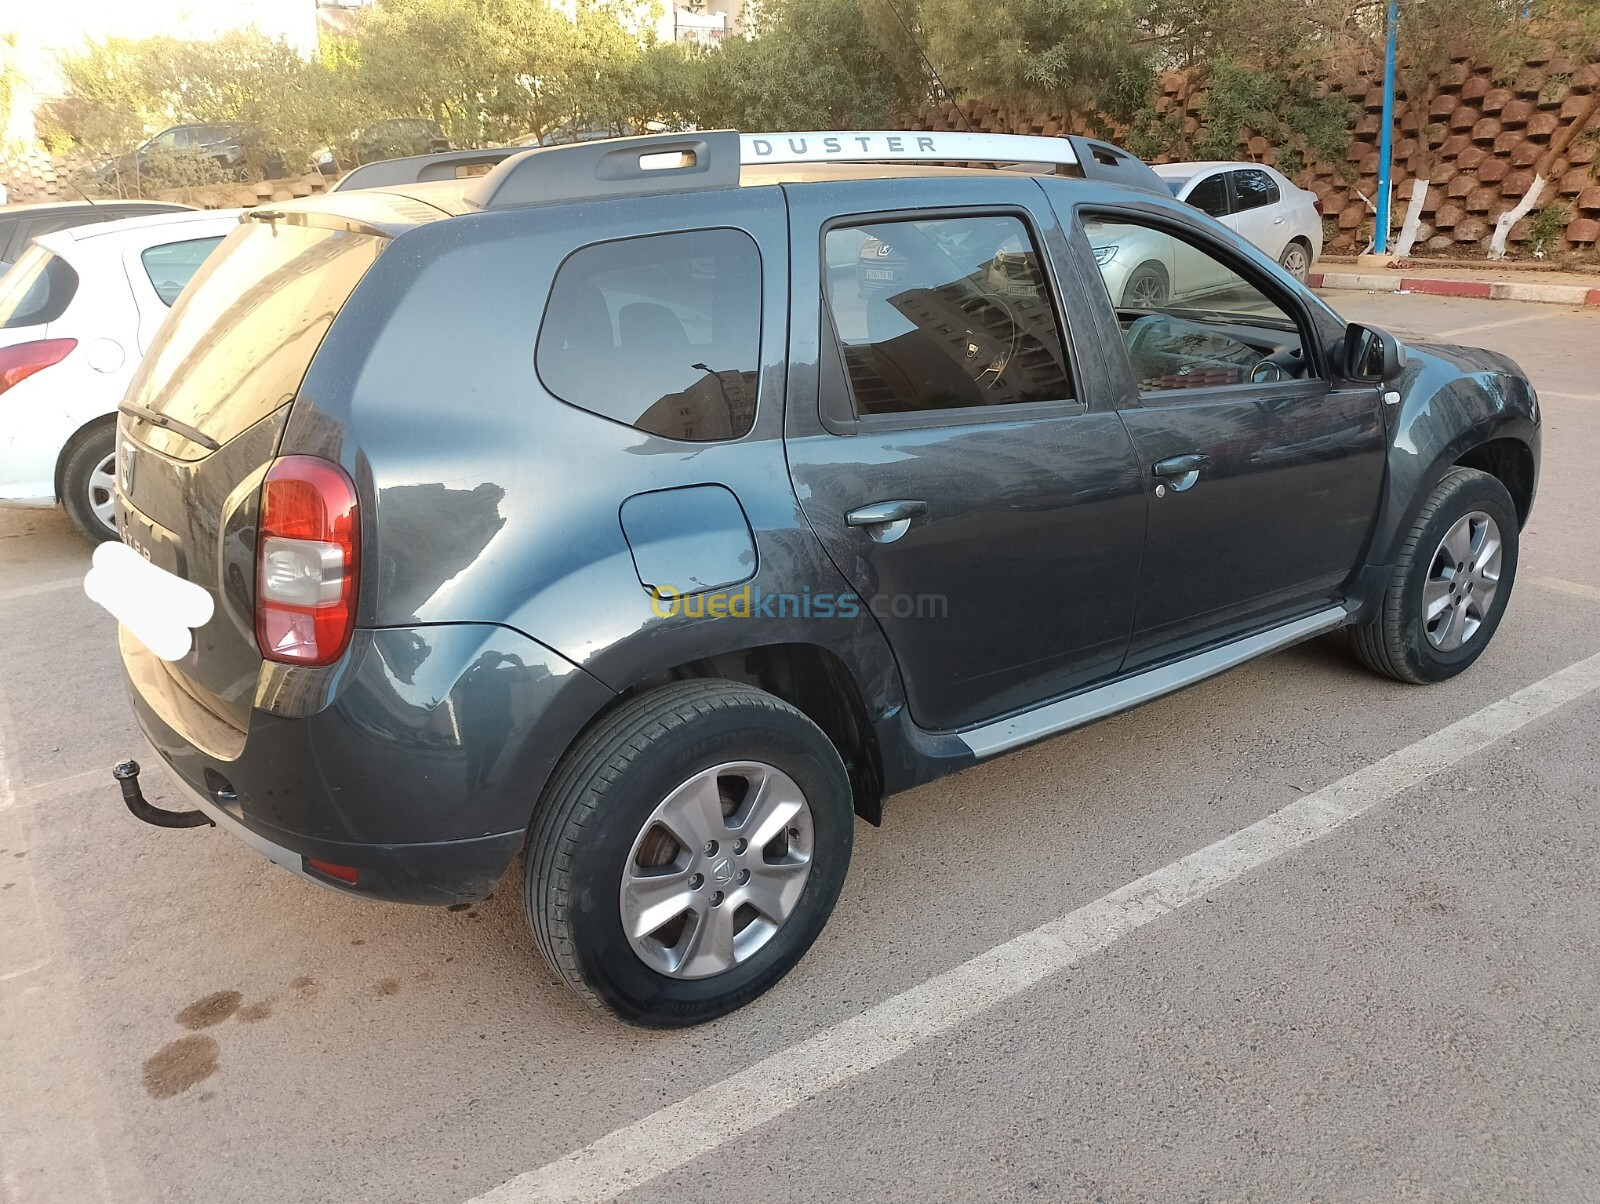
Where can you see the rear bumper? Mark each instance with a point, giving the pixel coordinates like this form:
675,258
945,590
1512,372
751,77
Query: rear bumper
457,871
418,763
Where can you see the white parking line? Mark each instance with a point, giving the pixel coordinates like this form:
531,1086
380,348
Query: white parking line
712,1117
1569,396
1474,329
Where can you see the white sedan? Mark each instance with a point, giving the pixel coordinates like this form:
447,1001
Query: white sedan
78,311
1258,203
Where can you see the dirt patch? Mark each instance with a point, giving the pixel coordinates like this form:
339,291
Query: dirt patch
179,1065
213,1009
387,986
254,1013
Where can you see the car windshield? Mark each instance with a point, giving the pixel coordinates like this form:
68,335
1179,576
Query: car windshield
36,290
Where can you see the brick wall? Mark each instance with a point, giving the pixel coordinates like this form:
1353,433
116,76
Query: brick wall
1486,133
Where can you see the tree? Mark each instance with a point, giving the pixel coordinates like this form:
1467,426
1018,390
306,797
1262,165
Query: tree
812,64
1068,56
485,70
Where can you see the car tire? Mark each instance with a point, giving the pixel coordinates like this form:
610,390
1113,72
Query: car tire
616,818
1296,260
1432,622
1147,287
88,479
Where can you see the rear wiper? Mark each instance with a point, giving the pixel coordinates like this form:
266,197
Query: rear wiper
192,434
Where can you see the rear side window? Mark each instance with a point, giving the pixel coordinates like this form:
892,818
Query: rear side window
948,314
1254,189
172,265
241,336
1211,195
36,290
661,332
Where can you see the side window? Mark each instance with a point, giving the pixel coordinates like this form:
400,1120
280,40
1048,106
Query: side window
945,314
170,265
1210,195
1254,188
661,332
1188,319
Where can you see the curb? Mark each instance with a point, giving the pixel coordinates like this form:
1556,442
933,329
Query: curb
1389,282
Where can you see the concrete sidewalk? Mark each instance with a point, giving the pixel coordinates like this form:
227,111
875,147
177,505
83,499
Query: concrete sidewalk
1472,280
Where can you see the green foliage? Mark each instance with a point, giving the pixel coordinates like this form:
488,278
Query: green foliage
1288,112
1547,227
1078,57
813,65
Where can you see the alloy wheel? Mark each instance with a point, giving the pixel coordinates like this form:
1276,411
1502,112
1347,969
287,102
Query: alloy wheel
1463,579
101,489
717,869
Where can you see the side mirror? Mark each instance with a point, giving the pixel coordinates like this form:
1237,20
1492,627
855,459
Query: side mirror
1370,354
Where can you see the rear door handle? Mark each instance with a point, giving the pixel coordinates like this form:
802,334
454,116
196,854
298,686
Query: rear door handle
1181,471
886,521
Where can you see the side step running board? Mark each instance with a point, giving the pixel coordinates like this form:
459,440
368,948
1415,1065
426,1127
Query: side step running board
1130,692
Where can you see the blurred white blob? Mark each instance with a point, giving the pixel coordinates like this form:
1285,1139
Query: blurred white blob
158,607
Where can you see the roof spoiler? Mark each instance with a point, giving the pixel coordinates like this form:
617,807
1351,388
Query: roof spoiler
420,169
689,162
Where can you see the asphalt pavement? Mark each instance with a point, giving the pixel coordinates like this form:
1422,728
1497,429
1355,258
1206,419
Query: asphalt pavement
1297,934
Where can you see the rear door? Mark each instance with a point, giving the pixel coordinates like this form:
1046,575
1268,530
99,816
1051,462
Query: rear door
948,443
1259,215
222,374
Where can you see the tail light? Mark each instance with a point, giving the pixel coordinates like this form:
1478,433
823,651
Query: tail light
308,559
1316,203
21,361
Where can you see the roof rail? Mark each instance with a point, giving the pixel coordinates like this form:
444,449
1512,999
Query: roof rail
419,169
657,163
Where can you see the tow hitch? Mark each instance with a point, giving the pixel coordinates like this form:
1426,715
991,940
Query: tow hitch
127,775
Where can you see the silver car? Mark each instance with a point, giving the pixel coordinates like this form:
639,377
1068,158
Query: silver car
1258,203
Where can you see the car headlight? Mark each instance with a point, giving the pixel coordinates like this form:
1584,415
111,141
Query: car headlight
1104,255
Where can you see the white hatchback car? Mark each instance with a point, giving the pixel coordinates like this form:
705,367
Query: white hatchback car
78,311
1257,202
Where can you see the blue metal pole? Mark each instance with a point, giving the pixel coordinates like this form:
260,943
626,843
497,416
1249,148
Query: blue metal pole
1380,242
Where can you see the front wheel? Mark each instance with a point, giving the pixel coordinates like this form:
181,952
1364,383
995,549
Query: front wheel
1147,288
89,482
687,852
1450,583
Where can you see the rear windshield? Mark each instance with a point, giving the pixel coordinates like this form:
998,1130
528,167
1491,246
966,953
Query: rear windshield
243,332
37,289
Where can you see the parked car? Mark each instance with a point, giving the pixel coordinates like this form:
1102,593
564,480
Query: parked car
594,510
1257,202
393,139
21,224
217,149
77,311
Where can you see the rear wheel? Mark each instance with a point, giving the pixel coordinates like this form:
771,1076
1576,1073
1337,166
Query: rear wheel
89,482
1296,260
687,852
1450,584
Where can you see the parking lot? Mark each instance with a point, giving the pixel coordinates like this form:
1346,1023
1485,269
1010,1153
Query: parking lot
1397,1003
